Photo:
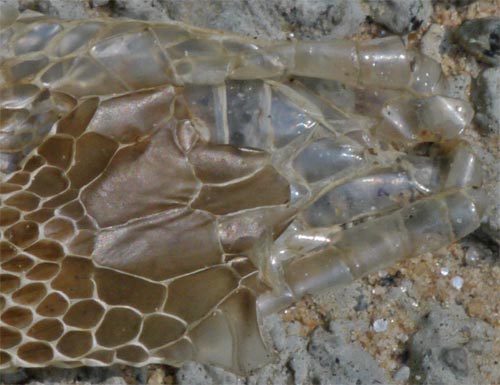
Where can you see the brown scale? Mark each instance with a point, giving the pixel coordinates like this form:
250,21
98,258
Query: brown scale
47,329
18,264
84,314
79,193
23,200
43,271
54,305
35,352
75,344
29,294
132,353
8,216
9,337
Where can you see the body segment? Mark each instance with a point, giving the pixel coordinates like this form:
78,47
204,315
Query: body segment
164,187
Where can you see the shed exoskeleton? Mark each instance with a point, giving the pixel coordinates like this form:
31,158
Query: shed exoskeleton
164,187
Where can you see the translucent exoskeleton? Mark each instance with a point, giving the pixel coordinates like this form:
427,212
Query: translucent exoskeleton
164,187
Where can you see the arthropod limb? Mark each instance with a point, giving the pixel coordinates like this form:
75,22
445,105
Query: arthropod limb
421,227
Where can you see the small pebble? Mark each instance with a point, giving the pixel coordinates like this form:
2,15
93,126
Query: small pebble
485,94
432,40
405,285
380,325
403,374
472,256
457,282
100,3
458,86
382,273
116,381
400,16
402,337
157,377
481,37
456,359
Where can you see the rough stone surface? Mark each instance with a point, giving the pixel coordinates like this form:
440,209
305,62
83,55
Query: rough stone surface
485,95
138,9
273,19
327,355
481,37
401,16
99,3
66,9
459,86
402,375
335,356
486,98
448,348
432,42
111,375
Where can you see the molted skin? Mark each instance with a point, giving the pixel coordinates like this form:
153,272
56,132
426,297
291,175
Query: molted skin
163,187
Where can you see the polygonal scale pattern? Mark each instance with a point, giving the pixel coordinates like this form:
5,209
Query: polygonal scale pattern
73,240
153,185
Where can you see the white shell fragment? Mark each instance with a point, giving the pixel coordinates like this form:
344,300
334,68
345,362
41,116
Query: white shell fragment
457,282
380,325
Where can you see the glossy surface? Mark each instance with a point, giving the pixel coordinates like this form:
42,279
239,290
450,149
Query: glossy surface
164,187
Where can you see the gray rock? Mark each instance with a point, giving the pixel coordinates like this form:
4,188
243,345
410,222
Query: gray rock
458,3
456,359
313,18
486,99
485,96
299,364
402,375
491,226
401,16
336,358
14,377
274,19
432,41
139,9
328,356
65,9
10,3
458,86
118,380
478,251
193,373
481,37
448,348
51,375
99,3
